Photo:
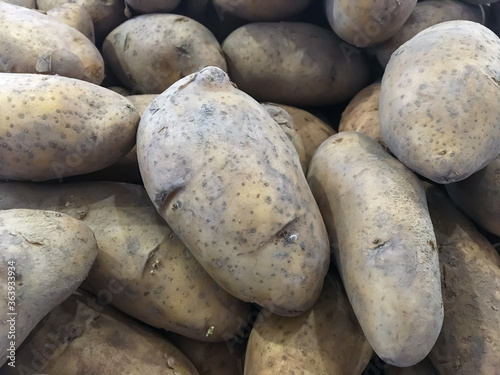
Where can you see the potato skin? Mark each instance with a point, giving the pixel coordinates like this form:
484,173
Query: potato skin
325,340
56,127
470,272
53,48
293,63
189,47
52,254
228,181
262,10
375,208
142,267
479,196
76,16
440,102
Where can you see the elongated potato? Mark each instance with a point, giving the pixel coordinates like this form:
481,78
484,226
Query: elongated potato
55,127
228,181
82,337
326,340
479,196
440,101
76,16
44,257
142,268
469,341
376,209
53,48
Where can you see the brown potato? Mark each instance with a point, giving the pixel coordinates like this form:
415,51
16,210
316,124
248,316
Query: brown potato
76,16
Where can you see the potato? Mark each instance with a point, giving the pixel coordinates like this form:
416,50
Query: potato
479,196
260,10
32,42
82,337
425,14
228,181
470,273
189,47
361,114
293,63
153,6
376,209
75,16
285,121
366,23
45,257
141,102
424,367
106,15
56,127
326,340
439,101
142,268
23,3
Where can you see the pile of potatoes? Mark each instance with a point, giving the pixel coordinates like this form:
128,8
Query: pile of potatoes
248,187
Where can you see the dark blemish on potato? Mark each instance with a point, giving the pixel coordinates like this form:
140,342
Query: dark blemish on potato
268,200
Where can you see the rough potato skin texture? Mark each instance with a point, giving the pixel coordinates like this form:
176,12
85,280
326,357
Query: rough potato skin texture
294,63
426,14
32,42
469,342
361,114
386,250
262,10
131,51
479,196
440,101
325,340
76,16
364,23
53,127
134,240
228,181
82,336
52,253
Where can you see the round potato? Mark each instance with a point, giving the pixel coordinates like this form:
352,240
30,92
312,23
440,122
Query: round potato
152,6
132,52
440,101
55,127
76,16
262,10
52,47
294,63
228,181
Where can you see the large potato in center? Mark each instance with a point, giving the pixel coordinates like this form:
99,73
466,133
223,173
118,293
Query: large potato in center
228,181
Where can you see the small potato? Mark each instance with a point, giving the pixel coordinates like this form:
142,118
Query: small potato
142,268
326,340
228,181
44,256
361,114
81,336
32,42
131,50
56,127
375,209
367,23
469,341
76,16
261,10
440,101
425,14
293,63
153,6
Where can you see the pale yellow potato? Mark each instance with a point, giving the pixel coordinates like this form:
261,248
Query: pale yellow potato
54,127
384,244
153,6
32,42
326,340
44,256
133,54
228,181
81,336
364,23
470,272
262,10
440,101
361,114
142,267
76,16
